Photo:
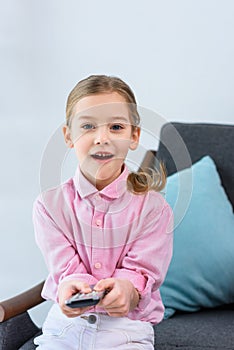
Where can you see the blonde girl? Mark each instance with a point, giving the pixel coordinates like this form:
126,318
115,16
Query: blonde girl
106,227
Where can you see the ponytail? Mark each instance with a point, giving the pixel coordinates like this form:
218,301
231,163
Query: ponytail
144,181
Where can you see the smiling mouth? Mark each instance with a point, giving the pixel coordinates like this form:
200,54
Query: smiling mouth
102,156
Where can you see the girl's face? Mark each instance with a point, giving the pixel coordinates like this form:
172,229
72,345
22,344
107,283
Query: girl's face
101,133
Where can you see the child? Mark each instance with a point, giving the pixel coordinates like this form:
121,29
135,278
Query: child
105,227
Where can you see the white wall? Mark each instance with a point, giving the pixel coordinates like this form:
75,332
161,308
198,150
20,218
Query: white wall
176,55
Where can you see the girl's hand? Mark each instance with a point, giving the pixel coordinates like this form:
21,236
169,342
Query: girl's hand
65,290
121,298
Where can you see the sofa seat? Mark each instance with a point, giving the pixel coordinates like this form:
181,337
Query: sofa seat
207,329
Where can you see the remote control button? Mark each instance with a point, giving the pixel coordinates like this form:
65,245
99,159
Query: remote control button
92,319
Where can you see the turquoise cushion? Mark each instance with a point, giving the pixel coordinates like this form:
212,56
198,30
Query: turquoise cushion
201,273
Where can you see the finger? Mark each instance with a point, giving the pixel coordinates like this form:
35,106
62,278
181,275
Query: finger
82,287
109,299
74,288
70,312
66,293
107,283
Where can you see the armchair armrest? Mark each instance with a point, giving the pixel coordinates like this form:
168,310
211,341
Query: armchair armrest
21,303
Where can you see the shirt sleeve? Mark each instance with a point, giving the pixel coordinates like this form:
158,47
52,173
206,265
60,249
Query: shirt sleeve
149,256
61,257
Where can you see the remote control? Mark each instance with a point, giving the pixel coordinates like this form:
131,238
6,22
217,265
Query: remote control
85,299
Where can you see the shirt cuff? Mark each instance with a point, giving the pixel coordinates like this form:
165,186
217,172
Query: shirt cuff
138,280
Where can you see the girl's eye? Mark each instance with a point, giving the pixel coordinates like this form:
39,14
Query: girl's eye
88,126
116,127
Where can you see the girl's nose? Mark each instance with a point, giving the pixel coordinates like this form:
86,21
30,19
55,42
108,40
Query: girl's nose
101,135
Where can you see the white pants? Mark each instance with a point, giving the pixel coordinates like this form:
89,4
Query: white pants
93,331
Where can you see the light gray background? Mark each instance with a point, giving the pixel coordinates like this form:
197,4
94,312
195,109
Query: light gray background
176,55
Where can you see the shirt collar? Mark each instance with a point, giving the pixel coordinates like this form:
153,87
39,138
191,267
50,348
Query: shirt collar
114,190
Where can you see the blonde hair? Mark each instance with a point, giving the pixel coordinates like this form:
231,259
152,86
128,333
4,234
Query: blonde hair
138,182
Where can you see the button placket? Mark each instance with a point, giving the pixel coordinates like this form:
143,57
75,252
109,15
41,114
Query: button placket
97,241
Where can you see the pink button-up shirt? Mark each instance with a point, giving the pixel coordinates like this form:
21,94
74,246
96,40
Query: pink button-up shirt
89,235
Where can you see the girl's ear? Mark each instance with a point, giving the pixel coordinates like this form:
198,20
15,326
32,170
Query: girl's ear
135,138
67,136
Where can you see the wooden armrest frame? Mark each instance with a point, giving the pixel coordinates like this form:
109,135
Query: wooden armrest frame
21,303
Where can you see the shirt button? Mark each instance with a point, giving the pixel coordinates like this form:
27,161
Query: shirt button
98,222
98,265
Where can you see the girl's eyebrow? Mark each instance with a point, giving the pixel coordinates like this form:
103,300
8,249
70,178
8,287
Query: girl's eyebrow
120,118
114,118
85,117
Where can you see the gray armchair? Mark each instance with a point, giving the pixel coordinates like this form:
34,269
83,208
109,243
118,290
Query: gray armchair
207,328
